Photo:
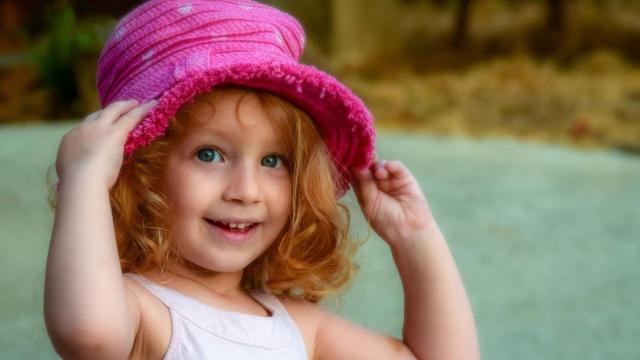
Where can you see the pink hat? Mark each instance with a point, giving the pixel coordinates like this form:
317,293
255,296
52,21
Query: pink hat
174,50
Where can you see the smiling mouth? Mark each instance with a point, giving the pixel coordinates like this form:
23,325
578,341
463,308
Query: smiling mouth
237,228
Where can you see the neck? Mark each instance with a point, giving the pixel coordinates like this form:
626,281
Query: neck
219,282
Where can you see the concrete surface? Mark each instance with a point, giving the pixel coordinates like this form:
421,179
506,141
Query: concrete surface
547,239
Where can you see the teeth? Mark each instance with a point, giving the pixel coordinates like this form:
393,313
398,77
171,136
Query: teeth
240,226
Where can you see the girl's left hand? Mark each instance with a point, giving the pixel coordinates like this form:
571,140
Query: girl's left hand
392,202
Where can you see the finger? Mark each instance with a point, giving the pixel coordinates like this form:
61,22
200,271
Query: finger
117,109
396,168
93,116
379,170
399,175
129,120
365,186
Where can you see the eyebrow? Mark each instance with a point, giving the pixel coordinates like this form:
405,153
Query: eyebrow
195,138
203,135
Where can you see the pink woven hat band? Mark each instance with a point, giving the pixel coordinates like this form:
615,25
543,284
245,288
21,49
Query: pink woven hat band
174,50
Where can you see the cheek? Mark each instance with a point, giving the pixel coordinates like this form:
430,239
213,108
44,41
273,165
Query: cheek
186,194
187,202
283,199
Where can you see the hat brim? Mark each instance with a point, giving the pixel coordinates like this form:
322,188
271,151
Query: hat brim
341,118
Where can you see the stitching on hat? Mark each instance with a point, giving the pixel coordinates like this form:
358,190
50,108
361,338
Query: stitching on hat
295,55
108,52
131,69
113,73
120,32
146,56
185,9
278,37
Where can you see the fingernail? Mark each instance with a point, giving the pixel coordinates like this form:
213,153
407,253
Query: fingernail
150,104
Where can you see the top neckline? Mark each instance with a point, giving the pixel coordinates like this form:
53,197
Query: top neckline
269,332
259,296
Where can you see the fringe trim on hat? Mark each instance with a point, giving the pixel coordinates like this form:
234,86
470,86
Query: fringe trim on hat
303,77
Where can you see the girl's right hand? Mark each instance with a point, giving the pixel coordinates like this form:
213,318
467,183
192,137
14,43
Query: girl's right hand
93,150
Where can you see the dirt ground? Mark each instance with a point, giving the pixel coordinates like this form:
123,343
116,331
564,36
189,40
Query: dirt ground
595,103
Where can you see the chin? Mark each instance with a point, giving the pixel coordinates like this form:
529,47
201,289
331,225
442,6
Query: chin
228,267
225,265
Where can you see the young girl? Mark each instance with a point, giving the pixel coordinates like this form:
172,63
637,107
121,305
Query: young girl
201,220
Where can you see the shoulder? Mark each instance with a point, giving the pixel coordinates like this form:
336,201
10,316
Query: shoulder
309,313
297,303
154,332
329,336
307,316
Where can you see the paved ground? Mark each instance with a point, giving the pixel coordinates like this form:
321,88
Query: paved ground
546,239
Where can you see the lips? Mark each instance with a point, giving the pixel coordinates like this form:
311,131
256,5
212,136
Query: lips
234,226
234,236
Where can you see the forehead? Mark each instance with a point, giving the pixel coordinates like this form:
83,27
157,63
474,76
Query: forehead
237,115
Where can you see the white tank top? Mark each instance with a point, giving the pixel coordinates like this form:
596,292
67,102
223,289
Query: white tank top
199,331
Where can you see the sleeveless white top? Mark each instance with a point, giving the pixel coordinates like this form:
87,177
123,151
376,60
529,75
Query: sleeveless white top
200,331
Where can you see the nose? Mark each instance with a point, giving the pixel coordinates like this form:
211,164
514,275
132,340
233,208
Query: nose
243,185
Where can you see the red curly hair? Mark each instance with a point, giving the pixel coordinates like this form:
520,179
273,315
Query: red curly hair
313,257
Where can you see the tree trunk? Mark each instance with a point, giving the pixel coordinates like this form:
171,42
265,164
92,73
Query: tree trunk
363,30
462,24
556,15
556,24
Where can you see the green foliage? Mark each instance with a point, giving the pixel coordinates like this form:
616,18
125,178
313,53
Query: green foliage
57,52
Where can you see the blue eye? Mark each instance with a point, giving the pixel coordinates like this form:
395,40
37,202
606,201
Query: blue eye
209,155
272,161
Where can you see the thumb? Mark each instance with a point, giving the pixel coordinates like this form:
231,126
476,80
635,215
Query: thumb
365,187
129,121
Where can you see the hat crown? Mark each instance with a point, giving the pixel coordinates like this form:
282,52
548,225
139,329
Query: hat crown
159,36
173,50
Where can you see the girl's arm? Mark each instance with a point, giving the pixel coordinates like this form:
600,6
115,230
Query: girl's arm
88,311
438,321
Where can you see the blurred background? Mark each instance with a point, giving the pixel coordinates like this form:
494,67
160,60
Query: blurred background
520,118
548,70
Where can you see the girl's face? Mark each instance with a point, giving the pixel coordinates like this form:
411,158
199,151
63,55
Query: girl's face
228,173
